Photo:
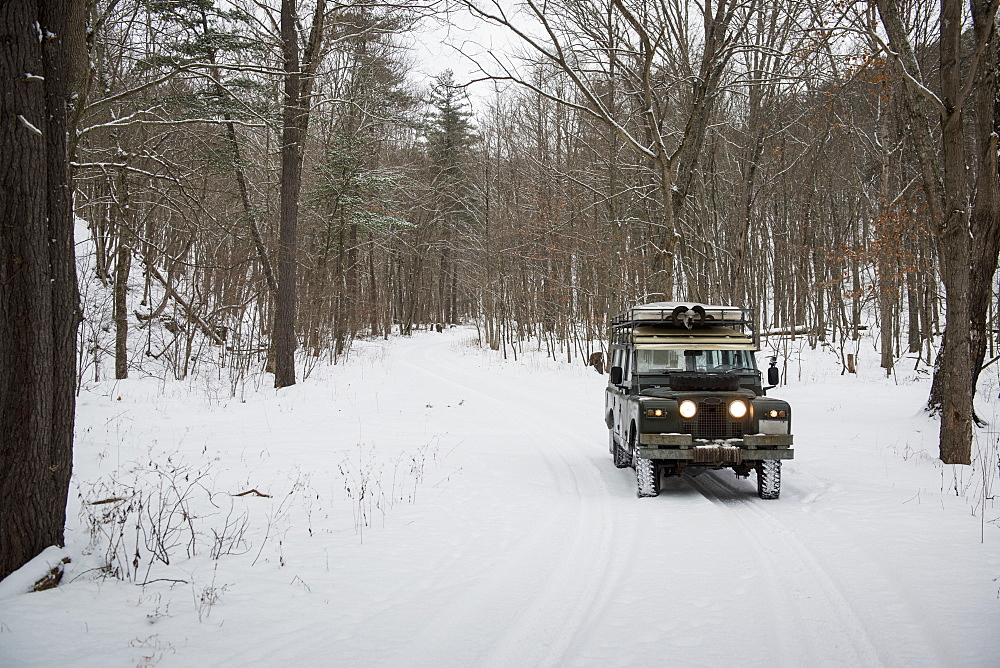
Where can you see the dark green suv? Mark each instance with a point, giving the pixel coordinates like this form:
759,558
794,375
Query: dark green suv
685,394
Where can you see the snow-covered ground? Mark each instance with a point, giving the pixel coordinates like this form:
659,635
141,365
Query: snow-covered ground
428,503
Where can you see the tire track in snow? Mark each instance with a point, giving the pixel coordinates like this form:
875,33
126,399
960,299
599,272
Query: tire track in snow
794,574
584,576
578,583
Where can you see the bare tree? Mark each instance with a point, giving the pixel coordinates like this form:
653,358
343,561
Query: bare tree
946,189
671,66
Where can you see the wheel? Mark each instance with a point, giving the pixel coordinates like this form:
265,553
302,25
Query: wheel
769,479
647,477
618,453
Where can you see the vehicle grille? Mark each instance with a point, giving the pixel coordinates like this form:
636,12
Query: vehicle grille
712,421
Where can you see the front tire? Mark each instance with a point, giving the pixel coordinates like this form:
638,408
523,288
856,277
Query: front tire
769,479
647,477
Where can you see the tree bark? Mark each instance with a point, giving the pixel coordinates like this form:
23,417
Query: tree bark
954,244
123,265
39,311
913,338
985,220
284,318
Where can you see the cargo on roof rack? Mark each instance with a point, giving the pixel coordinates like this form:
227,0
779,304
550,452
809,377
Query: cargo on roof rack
686,315
681,338
668,322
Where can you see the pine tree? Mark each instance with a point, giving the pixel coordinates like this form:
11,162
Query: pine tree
450,133
450,138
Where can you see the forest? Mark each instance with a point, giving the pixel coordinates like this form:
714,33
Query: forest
279,183
767,154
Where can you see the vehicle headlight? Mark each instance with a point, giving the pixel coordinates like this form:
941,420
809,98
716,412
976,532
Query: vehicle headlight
688,408
738,409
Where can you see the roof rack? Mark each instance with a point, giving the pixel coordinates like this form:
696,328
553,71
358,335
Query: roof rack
684,315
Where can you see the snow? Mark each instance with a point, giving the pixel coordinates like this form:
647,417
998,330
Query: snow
428,503
26,123
27,577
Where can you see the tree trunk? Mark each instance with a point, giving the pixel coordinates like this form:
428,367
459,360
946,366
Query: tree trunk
284,317
351,284
855,284
39,311
373,297
953,242
986,204
913,338
887,307
123,265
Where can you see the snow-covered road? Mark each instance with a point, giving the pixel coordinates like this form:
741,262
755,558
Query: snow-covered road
500,533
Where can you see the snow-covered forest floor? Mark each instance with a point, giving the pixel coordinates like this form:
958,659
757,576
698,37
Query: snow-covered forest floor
427,502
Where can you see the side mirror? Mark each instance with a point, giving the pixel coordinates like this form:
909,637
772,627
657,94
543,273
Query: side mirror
773,376
617,374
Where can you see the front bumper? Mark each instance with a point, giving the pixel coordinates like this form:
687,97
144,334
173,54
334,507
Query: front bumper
683,447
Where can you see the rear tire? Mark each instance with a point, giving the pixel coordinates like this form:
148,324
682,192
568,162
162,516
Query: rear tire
647,477
617,451
769,479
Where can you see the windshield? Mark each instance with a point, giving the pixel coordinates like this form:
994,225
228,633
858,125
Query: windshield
663,361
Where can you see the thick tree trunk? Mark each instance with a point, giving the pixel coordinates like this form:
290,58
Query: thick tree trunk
284,318
39,310
986,204
954,245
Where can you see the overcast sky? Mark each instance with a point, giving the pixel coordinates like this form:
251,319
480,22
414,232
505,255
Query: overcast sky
440,46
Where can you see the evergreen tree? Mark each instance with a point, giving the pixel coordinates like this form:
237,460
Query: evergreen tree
450,139
450,133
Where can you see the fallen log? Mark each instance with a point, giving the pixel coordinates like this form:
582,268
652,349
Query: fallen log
206,329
